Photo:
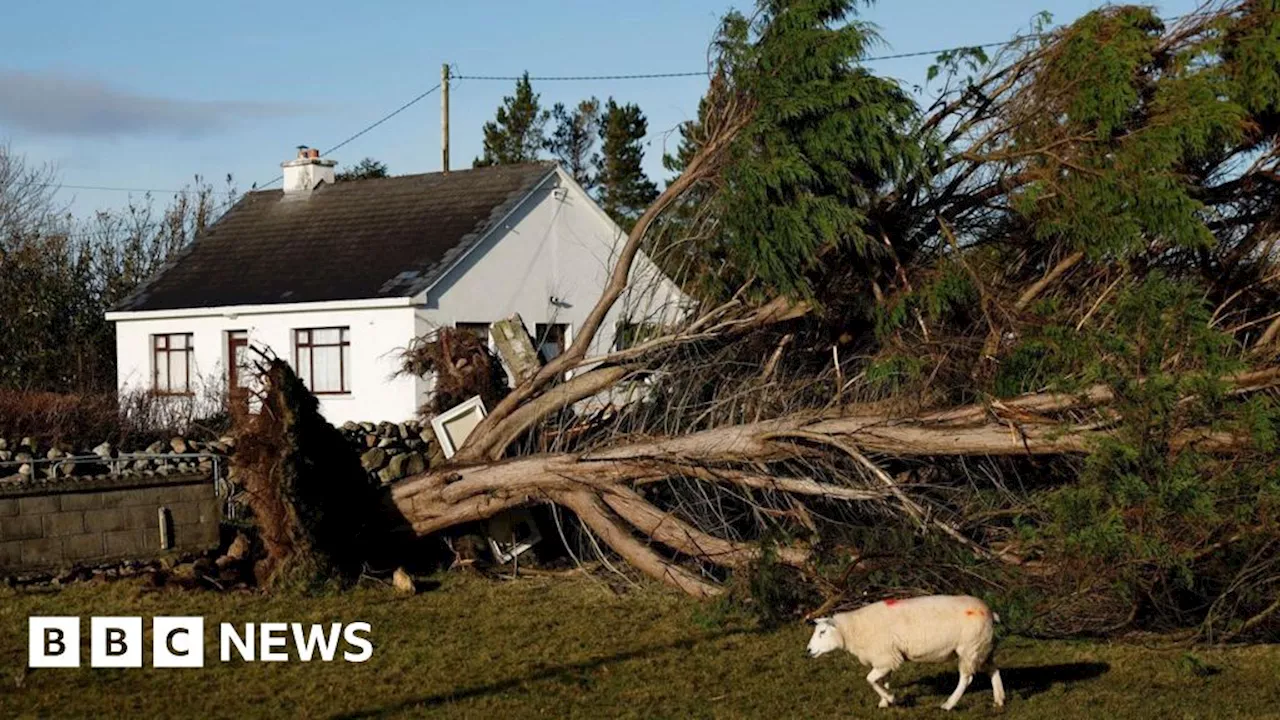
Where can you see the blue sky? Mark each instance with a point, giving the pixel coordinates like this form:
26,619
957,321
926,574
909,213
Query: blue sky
145,93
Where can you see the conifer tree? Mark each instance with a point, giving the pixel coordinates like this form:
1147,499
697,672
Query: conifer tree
516,133
624,189
573,141
366,169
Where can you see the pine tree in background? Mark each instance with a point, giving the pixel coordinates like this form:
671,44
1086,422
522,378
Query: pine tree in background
624,190
573,140
516,134
366,169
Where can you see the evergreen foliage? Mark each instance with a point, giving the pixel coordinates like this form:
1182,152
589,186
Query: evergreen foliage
313,505
827,137
366,169
1091,207
624,189
515,135
573,140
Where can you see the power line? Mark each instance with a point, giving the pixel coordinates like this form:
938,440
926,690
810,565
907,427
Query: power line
112,188
378,122
897,56
555,78
340,145
102,232
385,118
582,78
704,73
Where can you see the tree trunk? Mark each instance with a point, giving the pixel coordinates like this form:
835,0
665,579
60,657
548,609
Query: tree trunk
596,482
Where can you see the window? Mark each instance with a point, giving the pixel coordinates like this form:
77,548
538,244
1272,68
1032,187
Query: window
479,329
172,360
550,340
323,359
239,367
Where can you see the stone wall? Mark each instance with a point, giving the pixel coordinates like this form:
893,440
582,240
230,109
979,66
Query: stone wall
78,521
26,461
388,452
392,451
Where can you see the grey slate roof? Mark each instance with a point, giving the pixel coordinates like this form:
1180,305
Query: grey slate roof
361,239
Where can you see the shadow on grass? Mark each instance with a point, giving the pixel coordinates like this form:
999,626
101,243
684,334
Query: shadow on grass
568,672
1021,680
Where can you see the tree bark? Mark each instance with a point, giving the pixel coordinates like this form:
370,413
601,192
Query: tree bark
688,540
454,495
484,440
992,343
601,485
588,508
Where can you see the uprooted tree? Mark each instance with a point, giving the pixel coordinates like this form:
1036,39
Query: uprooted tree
1022,342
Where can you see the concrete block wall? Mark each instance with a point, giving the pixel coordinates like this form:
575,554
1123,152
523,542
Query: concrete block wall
68,523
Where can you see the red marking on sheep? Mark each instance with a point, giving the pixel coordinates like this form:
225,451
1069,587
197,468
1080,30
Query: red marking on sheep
890,603
974,612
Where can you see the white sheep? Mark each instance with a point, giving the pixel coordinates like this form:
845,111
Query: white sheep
922,629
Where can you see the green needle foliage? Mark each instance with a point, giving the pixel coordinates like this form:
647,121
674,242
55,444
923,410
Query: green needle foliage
826,138
1093,206
515,135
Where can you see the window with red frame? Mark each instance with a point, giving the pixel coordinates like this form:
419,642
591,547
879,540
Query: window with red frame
322,357
172,355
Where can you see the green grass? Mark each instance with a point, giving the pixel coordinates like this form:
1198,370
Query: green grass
571,648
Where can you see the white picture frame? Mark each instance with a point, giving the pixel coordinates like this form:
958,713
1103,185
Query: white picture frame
454,425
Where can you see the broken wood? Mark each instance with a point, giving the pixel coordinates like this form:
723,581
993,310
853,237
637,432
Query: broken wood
516,349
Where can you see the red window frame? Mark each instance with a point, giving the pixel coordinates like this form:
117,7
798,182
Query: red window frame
162,351
304,338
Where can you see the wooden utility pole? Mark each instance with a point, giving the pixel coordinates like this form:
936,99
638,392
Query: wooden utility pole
444,117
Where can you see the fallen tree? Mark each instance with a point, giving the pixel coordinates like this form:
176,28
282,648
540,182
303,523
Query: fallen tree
440,500
1025,336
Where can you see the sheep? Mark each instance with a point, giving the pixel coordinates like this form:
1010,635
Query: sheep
921,629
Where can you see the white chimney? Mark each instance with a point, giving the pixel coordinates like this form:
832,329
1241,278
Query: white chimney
307,171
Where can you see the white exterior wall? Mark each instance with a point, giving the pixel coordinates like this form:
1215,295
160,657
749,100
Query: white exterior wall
556,244
559,245
377,335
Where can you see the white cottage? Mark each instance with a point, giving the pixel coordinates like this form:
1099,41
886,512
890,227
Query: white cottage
338,278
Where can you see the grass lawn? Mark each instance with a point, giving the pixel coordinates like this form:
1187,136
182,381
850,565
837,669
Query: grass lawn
475,648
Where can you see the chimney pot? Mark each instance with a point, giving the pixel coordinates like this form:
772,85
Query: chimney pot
303,174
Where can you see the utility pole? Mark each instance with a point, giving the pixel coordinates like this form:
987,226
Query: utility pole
444,117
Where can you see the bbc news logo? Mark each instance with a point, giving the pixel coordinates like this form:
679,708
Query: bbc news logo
178,642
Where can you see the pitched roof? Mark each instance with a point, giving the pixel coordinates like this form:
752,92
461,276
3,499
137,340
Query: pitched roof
362,239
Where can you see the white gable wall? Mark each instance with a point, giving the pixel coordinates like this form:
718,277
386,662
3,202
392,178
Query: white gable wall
548,261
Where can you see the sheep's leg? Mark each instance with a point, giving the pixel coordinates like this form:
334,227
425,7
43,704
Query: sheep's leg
965,679
873,677
997,687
